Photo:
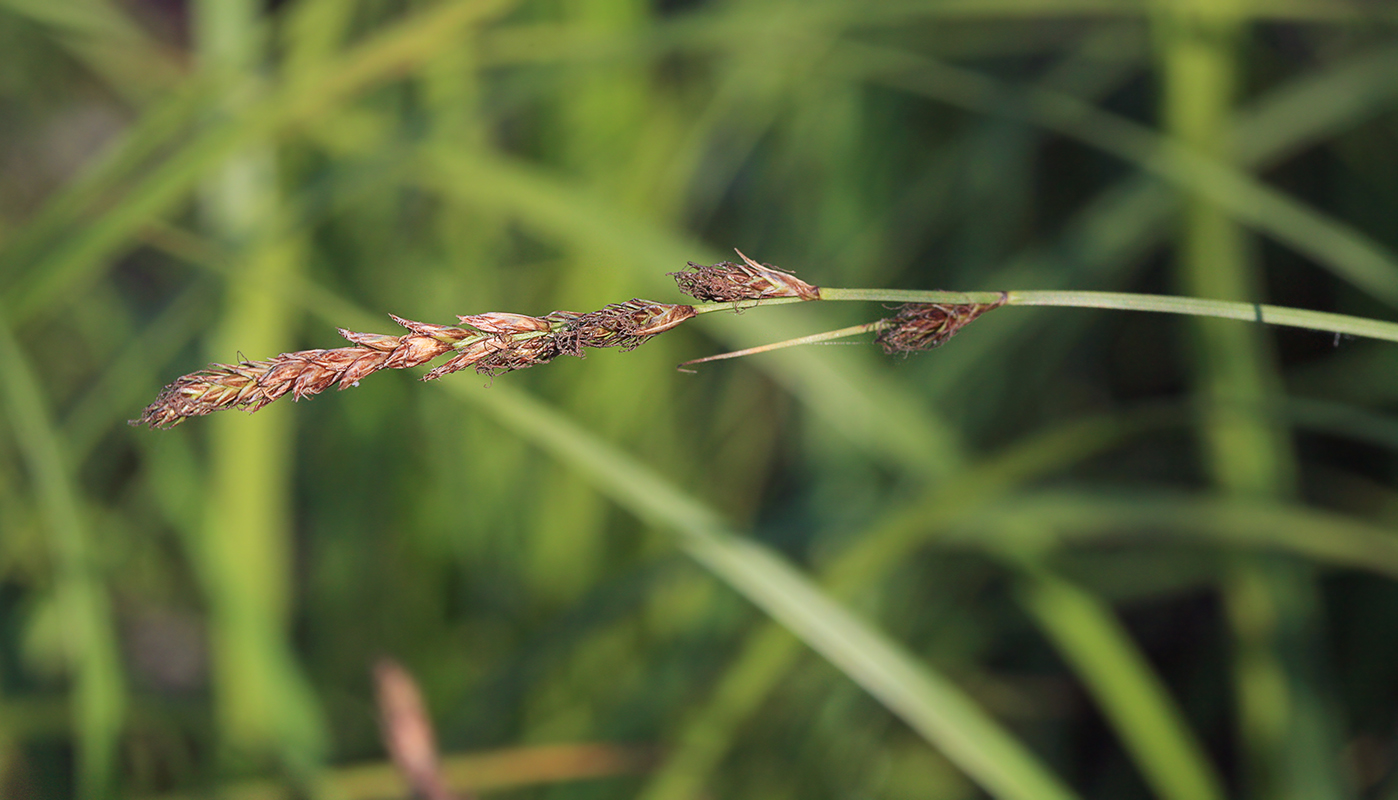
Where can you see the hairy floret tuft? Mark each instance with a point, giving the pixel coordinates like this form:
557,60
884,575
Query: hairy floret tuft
923,326
726,282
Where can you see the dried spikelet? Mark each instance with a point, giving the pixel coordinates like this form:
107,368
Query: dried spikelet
442,333
727,282
626,325
505,323
414,350
377,341
251,385
242,385
520,341
522,352
923,326
362,367
465,357
492,343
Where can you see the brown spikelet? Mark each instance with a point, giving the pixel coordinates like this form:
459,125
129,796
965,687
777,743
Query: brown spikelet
362,367
727,282
316,376
465,357
251,385
493,343
522,352
443,333
415,350
218,387
376,341
505,323
517,341
626,325
923,326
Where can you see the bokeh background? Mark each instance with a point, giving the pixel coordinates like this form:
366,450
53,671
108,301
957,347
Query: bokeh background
1084,553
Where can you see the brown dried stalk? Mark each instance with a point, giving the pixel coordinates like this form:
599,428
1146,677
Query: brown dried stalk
923,326
726,282
497,342
491,343
407,733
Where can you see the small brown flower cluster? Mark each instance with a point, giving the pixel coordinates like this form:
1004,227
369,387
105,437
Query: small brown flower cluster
923,326
625,325
726,282
491,343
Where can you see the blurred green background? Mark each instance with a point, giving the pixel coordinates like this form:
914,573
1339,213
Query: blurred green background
1148,556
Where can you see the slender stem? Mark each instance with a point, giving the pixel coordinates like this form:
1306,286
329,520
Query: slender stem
909,296
1167,304
1253,312
815,338
743,305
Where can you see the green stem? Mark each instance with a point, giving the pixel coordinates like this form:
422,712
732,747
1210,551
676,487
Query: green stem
911,296
1223,309
1125,301
815,338
743,305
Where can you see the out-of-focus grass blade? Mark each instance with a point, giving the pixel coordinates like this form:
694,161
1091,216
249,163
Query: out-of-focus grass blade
104,37
1072,517
1336,246
926,701
132,372
750,26
1128,691
1295,10
1247,455
263,702
91,640
243,547
385,56
161,124
1314,106
770,653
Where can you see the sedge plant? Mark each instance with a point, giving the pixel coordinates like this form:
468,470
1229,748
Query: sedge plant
495,342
